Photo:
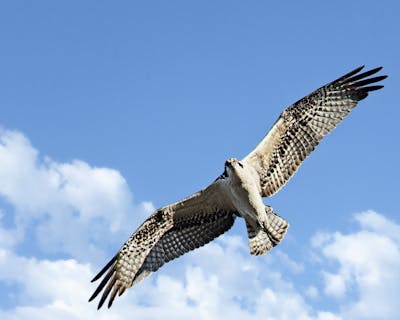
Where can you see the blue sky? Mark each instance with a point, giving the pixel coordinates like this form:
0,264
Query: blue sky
130,106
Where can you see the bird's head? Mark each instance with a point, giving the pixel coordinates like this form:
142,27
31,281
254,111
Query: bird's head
233,165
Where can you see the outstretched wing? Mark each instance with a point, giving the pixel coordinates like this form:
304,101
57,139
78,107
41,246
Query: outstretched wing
302,126
167,234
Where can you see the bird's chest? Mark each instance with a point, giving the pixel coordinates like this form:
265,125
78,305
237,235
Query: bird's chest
245,197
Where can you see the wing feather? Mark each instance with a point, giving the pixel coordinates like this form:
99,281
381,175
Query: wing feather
167,234
301,127
183,238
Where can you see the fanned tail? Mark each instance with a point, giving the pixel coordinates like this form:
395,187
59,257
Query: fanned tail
276,226
261,240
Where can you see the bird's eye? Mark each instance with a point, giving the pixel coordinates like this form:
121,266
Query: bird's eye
240,164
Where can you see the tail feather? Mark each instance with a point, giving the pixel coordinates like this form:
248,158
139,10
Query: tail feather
276,225
264,239
259,241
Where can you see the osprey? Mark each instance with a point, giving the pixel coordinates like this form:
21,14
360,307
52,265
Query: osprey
194,221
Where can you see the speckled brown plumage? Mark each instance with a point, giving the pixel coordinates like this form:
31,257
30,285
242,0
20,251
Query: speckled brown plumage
196,220
167,234
301,127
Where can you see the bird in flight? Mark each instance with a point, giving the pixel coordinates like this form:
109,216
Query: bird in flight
180,227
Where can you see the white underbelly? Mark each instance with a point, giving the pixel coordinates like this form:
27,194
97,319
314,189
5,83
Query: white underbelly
247,202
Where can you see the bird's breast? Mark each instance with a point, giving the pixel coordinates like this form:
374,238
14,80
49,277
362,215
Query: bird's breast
243,192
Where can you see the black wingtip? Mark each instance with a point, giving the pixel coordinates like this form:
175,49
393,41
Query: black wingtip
361,83
106,267
103,283
353,72
110,302
113,294
107,291
91,298
364,75
358,69
375,70
373,88
366,81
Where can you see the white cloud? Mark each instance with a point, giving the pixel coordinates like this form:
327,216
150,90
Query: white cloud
369,264
47,289
78,209
335,285
60,289
8,237
312,292
373,221
67,202
289,263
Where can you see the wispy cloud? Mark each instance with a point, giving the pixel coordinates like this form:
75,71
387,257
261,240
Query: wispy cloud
74,209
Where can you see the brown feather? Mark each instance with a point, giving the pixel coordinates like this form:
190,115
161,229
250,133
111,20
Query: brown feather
301,127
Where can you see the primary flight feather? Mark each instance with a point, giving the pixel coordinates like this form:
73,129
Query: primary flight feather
194,221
